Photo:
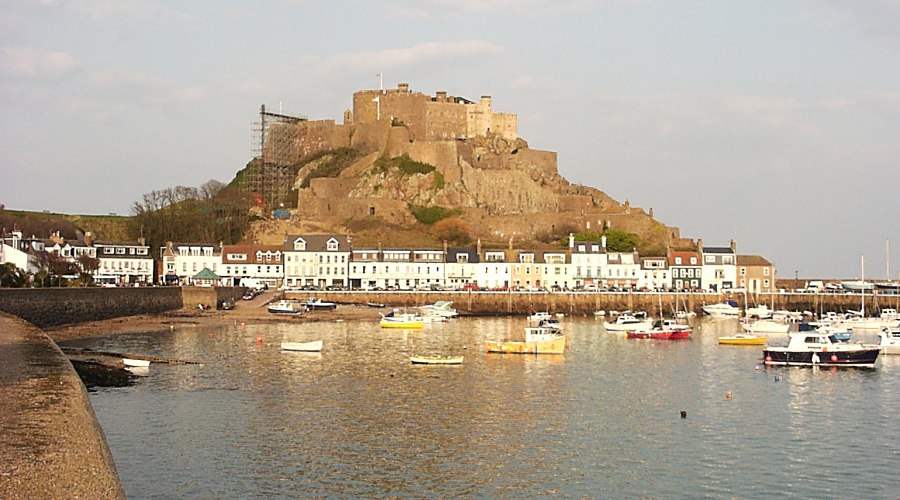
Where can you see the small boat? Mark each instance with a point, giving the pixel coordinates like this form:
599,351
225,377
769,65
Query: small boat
600,313
316,304
138,363
285,307
627,321
539,316
397,319
375,305
890,340
538,340
314,346
814,348
443,308
436,360
727,309
662,330
760,311
764,326
743,339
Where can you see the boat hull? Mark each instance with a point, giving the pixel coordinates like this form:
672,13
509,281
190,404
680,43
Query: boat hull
659,335
856,357
745,340
409,325
551,346
436,360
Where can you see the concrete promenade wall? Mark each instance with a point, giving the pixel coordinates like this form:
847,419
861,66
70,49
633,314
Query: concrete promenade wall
51,445
46,307
584,303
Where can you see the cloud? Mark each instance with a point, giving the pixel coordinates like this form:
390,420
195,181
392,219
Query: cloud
29,62
406,56
141,87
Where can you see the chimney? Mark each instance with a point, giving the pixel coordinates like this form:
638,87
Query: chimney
56,238
603,242
571,240
733,246
510,242
478,247
88,238
700,245
440,96
403,88
446,248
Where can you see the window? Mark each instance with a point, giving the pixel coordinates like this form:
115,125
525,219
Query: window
743,271
766,273
710,259
678,261
693,261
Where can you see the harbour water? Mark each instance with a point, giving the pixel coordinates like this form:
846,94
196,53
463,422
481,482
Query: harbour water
603,420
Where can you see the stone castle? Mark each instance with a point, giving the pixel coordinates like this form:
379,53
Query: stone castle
503,188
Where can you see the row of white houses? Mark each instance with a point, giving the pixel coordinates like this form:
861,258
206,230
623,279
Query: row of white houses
329,260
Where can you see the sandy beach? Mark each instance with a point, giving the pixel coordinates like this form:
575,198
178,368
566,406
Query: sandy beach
245,311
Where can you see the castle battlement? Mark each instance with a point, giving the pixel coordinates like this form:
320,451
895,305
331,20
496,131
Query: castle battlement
438,117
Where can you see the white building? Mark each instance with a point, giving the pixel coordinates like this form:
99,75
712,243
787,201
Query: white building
181,261
21,252
264,263
719,266
124,263
654,274
589,262
400,269
622,270
317,260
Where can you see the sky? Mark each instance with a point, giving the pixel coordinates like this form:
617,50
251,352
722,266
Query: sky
775,124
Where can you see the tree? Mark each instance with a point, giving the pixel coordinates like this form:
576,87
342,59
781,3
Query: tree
454,230
11,276
87,266
620,241
58,266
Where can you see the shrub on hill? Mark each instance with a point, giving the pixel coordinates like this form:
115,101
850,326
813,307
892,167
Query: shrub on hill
431,215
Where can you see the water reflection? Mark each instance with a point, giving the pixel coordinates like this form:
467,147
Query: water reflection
602,420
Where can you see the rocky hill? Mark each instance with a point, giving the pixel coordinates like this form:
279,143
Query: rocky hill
375,176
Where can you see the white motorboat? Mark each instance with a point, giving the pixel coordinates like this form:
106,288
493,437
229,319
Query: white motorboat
765,327
285,307
539,316
890,340
625,322
761,312
314,346
441,308
137,363
727,309
317,304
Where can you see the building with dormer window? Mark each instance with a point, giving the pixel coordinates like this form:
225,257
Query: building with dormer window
259,262
317,260
589,262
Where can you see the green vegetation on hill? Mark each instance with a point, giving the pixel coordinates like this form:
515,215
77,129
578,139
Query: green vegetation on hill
404,164
329,163
430,215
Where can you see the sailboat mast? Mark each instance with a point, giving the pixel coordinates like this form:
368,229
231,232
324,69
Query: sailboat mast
862,279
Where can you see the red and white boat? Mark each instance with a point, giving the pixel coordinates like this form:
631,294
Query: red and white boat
666,329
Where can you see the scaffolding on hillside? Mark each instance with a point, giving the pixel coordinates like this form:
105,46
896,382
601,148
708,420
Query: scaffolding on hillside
275,138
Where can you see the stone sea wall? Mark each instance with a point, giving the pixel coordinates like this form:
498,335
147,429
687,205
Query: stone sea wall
50,441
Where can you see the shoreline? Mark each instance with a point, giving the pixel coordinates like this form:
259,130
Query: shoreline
242,313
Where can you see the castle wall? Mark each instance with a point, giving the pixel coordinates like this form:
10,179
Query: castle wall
444,121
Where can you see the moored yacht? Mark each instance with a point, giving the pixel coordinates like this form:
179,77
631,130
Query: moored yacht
727,309
815,348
